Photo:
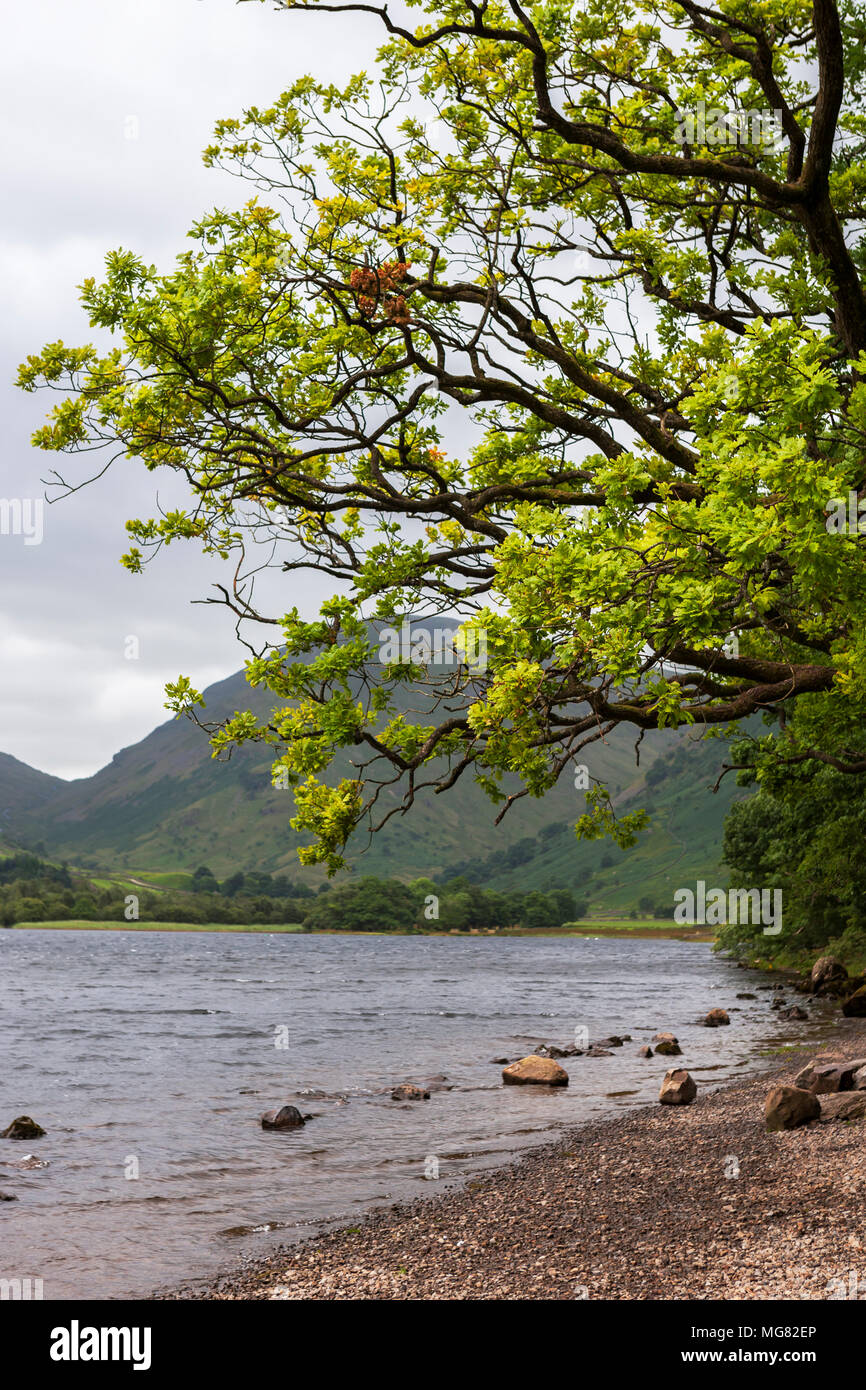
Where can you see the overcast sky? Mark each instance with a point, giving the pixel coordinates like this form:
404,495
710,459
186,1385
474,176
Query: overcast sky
77,81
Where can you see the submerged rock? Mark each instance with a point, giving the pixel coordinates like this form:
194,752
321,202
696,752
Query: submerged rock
287,1117
551,1050
716,1018
409,1092
645,1051
786,1107
23,1128
535,1071
8,1197
678,1088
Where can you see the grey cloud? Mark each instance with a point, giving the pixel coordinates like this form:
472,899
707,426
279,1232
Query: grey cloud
76,186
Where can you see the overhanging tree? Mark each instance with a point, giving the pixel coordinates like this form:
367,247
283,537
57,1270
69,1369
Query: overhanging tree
557,323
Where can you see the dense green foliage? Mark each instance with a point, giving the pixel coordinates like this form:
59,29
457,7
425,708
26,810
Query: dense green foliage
652,330
803,832
375,904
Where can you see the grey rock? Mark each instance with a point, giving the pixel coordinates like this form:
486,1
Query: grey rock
287,1117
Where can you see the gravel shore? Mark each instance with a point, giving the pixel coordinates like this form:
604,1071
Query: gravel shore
692,1202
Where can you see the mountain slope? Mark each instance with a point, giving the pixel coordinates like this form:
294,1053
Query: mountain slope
23,791
681,845
165,804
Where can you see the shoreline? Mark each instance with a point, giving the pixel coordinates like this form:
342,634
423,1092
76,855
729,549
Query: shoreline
601,928
694,1202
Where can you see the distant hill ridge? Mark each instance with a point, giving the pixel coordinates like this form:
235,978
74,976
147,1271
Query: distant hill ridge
23,789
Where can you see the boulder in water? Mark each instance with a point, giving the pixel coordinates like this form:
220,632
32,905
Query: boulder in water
287,1117
535,1071
23,1128
716,1018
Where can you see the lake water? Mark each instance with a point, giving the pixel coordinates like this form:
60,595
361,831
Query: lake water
155,1053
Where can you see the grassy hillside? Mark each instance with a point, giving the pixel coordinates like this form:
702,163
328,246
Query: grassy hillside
682,843
23,791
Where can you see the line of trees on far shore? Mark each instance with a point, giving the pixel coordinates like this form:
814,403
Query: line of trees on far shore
33,890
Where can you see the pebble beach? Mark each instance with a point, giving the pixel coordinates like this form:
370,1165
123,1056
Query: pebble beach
664,1202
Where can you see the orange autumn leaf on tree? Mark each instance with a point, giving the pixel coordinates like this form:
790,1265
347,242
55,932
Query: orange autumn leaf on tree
378,284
